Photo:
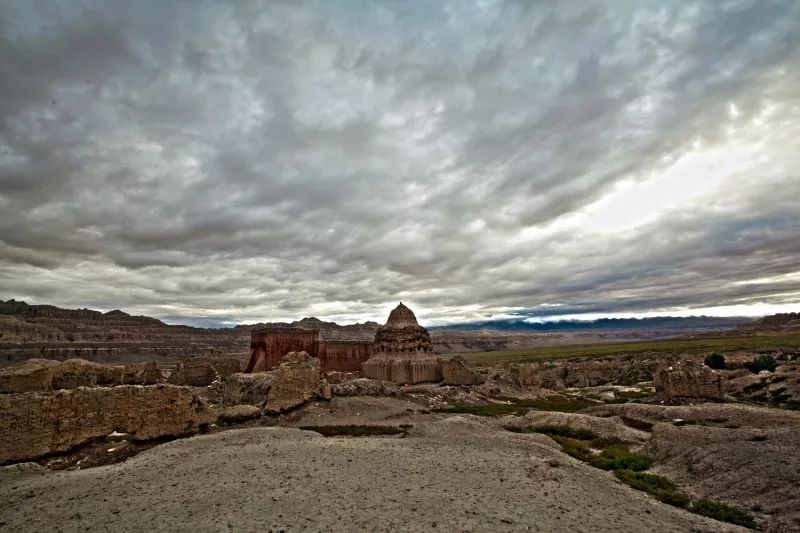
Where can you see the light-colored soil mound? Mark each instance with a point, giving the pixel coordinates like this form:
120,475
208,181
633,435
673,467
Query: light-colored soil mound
456,475
736,453
602,427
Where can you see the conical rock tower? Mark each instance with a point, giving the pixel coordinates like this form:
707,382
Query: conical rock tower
403,352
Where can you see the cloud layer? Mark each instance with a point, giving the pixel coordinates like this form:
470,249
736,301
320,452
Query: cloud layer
222,161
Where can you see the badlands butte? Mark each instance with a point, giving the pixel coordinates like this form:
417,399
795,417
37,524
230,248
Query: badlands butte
116,422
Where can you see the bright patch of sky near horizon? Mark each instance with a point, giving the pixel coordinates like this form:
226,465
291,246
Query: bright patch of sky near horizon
219,163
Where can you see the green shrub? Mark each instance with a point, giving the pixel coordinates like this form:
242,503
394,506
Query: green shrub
574,448
561,404
762,362
715,361
660,487
492,409
619,457
725,513
564,431
604,442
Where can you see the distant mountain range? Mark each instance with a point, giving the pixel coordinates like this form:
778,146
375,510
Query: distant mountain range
664,322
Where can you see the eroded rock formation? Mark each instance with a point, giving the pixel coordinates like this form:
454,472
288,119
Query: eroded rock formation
403,352
343,349
39,423
292,383
688,379
44,374
30,375
203,371
365,387
457,371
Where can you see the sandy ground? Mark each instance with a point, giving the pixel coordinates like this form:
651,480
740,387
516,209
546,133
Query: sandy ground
457,474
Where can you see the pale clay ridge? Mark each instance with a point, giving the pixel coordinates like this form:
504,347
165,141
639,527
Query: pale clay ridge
277,478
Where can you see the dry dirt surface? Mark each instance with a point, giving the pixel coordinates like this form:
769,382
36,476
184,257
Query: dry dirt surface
456,474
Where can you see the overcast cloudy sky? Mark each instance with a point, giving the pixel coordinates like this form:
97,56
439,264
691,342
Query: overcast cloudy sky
212,162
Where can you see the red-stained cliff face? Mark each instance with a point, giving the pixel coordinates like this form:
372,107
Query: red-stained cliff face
401,335
343,356
267,347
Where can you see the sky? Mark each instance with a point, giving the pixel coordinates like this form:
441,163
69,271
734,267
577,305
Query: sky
214,162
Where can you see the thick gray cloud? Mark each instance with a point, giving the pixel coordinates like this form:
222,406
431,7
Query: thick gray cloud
249,161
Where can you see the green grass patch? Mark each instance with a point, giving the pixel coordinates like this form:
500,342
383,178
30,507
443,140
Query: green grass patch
725,513
660,487
491,409
619,457
561,404
574,448
564,431
692,345
558,403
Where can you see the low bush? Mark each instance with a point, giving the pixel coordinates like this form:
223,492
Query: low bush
561,404
619,457
715,361
660,487
604,442
564,431
762,362
492,409
725,513
574,448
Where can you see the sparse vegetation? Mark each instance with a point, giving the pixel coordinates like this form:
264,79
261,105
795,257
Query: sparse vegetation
491,409
574,448
660,487
564,431
561,404
762,362
619,457
629,468
715,361
725,513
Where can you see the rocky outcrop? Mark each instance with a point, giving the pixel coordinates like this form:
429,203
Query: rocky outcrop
688,379
778,323
365,387
142,374
403,370
31,375
292,383
203,371
611,427
239,413
779,389
402,334
34,424
403,352
44,375
74,373
457,371
249,389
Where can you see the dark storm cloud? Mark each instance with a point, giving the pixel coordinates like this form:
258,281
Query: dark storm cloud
266,160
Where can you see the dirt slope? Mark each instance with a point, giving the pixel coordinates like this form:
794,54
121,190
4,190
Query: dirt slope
458,474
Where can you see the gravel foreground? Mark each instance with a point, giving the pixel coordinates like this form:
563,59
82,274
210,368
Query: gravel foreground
458,474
